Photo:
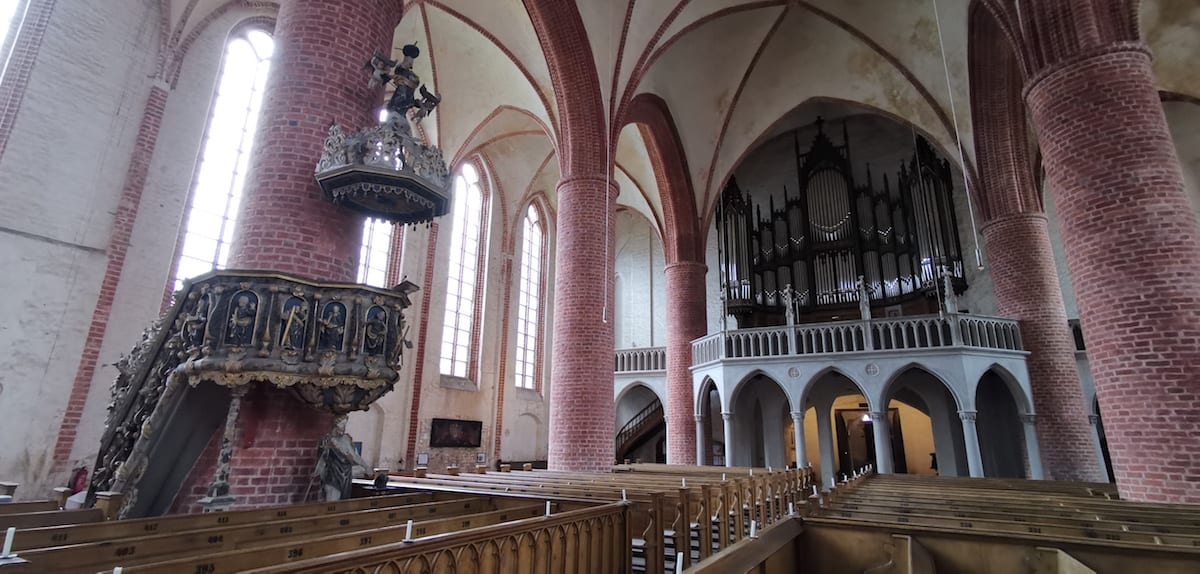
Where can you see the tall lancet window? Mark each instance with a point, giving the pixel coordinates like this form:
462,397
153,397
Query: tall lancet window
225,156
12,14
465,277
529,305
373,256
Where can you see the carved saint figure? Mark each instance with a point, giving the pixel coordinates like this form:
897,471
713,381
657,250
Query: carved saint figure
295,319
376,331
406,83
241,320
194,323
864,298
338,462
333,326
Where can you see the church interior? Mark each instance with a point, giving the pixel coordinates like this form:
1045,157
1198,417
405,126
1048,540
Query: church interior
600,286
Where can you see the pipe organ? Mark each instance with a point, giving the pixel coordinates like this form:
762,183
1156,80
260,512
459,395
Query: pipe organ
831,231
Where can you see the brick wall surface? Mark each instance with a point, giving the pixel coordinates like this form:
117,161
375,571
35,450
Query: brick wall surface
686,321
316,79
278,442
581,416
1134,254
1022,263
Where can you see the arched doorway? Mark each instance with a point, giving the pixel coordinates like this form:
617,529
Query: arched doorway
834,427
641,428
1001,433
712,425
928,436
760,408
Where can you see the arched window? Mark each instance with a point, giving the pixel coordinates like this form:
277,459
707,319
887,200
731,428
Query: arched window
12,13
373,255
465,278
529,305
226,155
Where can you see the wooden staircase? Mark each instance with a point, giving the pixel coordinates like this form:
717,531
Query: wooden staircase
645,424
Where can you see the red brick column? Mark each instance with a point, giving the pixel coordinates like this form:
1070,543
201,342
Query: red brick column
316,79
685,322
1134,253
581,392
1027,289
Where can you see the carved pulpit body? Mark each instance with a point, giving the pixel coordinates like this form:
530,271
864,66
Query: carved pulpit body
335,347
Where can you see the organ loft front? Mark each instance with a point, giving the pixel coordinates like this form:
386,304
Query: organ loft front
843,237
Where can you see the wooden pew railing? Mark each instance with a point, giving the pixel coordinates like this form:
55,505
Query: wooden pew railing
587,541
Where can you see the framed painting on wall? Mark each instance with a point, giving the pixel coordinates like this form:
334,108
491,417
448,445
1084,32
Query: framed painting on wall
454,433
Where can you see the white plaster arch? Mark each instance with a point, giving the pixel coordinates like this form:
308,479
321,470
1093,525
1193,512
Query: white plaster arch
806,390
890,385
1017,386
624,384
765,373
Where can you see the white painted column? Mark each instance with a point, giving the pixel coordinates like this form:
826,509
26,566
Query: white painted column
825,441
798,432
971,438
728,418
700,442
883,443
1031,447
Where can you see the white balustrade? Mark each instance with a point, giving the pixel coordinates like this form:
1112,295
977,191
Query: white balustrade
642,359
877,335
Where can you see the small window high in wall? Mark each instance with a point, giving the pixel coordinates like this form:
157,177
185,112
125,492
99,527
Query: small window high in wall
529,306
225,158
465,274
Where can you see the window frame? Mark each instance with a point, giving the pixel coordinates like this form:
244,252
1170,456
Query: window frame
241,31
539,322
368,250
481,258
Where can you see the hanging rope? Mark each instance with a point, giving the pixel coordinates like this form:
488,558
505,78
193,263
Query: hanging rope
958,134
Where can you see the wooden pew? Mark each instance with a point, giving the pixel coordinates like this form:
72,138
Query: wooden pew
28,539
25,507
297,548
585,541
158,547
50,518
762,498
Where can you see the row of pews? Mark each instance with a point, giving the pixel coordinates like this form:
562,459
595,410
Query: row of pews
640,518
907,523
680,515
411,532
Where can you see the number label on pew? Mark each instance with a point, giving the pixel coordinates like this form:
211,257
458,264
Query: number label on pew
61,537
294,553
206,568
965,525
223,520
125,551
330,508
344,522
150,527
216,539
420,531
466,524
285,529
1035,530
365,540
280,513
